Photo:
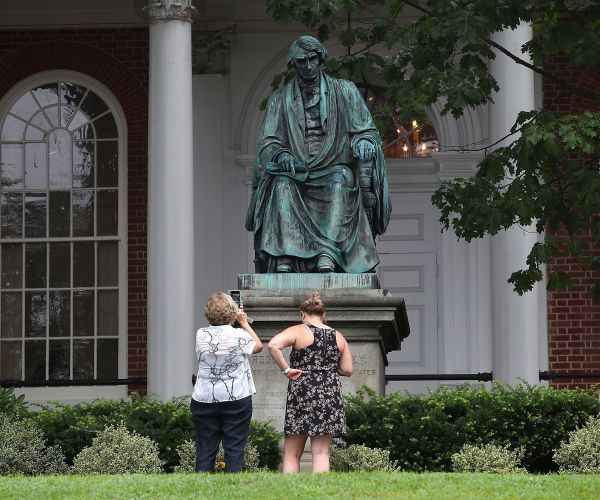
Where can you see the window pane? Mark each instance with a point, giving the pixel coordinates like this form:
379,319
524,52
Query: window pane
60,313
12,130
60,219
83,264
79,120
41,122
34,134
35,165
12,265
107,164
53,115
107,213
11,166
66,115
83,313
11,359
35,265
106,128
11,319
61,157
35,215
25,107
12,215
108,263
35,360
60,265
92,105
83,213
108,312
46,94
83,359
83,164
35,314
108,357
71,93
59,354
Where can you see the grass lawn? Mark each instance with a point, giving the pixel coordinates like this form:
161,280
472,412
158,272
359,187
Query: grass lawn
270,485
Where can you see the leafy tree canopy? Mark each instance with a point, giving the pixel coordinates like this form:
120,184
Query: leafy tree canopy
430,50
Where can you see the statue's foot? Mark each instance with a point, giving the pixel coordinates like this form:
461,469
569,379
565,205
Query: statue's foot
325,264
284,268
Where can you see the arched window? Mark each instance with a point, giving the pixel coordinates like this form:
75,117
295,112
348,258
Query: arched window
399,139
61,234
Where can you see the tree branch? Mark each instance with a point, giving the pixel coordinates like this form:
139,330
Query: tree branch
573,88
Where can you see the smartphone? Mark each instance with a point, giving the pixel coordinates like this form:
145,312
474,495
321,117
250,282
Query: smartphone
236,295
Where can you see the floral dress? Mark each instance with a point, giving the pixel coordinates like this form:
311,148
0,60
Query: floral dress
314,401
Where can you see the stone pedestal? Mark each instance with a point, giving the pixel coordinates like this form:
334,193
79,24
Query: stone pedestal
373,321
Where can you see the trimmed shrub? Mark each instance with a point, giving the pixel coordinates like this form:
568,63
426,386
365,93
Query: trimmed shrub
488,458
266,439
115,450
23,450
187,458
358,457
169,424
423,431
581,453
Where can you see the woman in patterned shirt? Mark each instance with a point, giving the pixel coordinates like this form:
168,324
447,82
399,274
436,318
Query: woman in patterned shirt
222,399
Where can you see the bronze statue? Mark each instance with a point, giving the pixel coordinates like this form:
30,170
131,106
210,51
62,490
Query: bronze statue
320,192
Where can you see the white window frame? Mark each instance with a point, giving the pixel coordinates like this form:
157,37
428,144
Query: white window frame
74,394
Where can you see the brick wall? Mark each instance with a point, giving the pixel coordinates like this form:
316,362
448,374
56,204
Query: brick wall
573,319
118,58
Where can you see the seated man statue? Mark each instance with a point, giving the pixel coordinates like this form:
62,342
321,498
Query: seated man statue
320,193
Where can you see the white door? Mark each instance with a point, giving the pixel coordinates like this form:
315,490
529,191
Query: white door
408,252
414,277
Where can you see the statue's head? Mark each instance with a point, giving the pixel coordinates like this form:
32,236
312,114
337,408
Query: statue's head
306,55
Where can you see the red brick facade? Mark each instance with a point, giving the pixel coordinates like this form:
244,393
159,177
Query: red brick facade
573,319
118,58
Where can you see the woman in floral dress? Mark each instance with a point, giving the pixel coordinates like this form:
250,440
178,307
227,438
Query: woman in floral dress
314,408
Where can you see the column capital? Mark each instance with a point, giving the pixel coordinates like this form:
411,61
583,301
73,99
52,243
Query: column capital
167,10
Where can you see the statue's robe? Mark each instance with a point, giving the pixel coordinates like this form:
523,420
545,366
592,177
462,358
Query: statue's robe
318,210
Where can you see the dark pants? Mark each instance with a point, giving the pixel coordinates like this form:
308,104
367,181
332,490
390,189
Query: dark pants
227,421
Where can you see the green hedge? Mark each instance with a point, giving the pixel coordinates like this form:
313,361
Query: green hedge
423,431
169,424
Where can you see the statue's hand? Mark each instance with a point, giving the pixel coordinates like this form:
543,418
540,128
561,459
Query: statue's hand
364,150
285,162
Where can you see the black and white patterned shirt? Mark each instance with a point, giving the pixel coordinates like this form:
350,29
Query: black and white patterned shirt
224,374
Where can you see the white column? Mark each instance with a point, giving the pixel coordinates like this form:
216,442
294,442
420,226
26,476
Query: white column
170,201
515,318
466,305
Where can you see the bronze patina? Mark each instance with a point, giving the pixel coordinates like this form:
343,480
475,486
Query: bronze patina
320,193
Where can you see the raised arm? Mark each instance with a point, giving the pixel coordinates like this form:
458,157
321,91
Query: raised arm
345,365
242,319
279,342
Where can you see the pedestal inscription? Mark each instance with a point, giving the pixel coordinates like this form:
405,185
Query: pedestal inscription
271,385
